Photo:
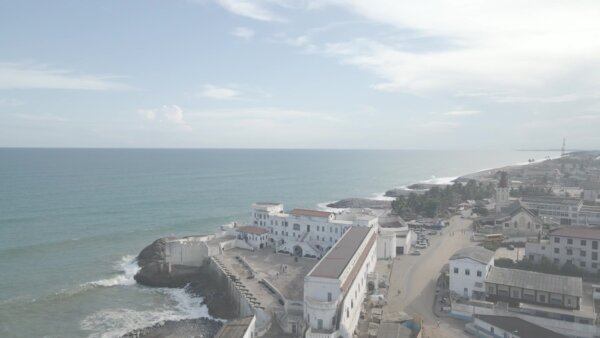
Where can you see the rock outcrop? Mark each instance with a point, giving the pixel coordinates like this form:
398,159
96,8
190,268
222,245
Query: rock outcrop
187,328
360,203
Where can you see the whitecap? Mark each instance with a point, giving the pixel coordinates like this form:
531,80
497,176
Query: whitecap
127,268
117,322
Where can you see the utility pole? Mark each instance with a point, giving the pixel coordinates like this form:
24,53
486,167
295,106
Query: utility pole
562,153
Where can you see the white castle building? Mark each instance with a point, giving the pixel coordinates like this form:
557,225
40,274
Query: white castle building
334,289
304,232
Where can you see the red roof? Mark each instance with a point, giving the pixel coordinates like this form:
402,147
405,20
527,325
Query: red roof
251,229
577,232
310,213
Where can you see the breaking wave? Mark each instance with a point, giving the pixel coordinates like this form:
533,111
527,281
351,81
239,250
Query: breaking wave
127,268
109,323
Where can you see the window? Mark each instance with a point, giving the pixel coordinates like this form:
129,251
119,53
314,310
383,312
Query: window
467,272
582,264
531,257
594,256
455,270
491,329
556,261
478,273
296,226
595,245
556,250
569,252
556,239
329,296
569,240
583,242
594,265
320,324
582,253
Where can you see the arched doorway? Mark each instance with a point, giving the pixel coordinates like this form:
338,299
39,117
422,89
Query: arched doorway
298,251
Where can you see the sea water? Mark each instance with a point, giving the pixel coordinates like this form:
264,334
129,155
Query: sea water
72,220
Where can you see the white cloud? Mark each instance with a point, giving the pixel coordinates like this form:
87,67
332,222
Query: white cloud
532,49
243,33
166,115
462,112
28,76
250,8
220,92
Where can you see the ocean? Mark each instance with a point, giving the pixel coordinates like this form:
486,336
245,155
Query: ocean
72,220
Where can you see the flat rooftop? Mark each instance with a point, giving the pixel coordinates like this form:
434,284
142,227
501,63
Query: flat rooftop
577,232
269,265
571,286
551,199
336,260
524,328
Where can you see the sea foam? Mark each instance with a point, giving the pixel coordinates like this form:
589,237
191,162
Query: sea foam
127,267
117,322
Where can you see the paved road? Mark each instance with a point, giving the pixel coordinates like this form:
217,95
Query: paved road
413,280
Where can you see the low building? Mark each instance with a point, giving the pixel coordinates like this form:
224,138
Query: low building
513,220
256,237
335,288
576,245
386,244
508,327
468,269
515,286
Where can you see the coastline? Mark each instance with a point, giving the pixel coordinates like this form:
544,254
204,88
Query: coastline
215,298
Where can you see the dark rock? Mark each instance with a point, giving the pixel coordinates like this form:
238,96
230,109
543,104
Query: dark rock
187,328
360,203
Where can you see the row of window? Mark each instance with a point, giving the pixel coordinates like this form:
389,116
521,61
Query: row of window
582,242
582,264
468,272
582,253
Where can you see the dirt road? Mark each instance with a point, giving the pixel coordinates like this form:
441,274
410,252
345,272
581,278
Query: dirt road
413,280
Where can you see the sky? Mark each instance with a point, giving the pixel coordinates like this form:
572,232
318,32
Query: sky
384,74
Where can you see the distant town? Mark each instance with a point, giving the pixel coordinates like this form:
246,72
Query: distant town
511,252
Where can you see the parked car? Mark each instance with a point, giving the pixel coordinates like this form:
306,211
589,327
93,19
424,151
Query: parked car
416,253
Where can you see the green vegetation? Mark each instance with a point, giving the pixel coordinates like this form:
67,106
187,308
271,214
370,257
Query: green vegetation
436,201
530,191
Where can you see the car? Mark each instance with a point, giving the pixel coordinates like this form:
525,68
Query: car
433,232
511,247
416,253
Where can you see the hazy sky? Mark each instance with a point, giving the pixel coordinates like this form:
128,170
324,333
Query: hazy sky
294,73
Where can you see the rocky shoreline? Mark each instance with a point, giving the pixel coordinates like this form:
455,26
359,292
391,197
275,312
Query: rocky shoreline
154,272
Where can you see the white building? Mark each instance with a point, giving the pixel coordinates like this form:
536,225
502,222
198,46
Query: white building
577,245
307,232
386,244
563,211
468,269
335,288
256,237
